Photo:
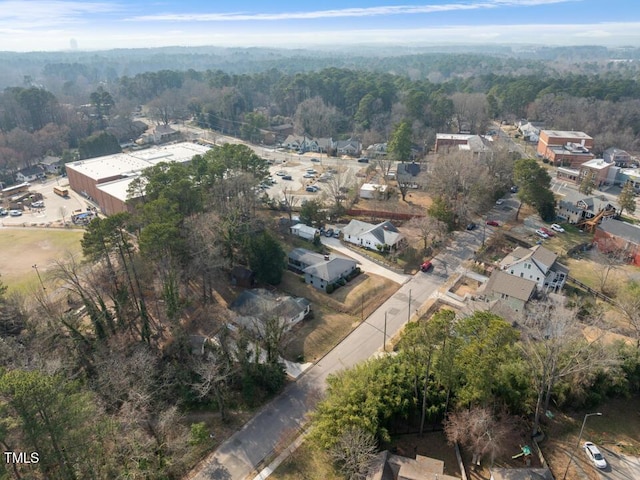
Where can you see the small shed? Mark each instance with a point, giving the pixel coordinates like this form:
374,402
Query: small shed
304,231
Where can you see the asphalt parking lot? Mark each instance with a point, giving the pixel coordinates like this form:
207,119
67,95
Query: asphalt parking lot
55,206
296,167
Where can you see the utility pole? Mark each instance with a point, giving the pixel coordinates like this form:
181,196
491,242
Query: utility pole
384,338
34,266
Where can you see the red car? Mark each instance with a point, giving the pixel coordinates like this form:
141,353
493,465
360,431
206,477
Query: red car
493,223
426,266
551,233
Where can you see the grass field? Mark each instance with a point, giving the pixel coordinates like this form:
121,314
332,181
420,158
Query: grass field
22,248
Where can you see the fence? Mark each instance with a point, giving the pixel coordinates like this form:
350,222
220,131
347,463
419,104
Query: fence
593,292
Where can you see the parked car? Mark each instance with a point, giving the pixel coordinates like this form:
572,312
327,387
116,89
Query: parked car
363,160
312,189
557,228
15,213
547,231
336,233
471,226
287,177
3,212
315,160
328,232
309,175
312,170
499,201
514,189
541,233
493,223
38,204
594,455
426,266
281,173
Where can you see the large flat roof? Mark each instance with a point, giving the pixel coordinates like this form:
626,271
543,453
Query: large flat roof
117,188
567,134
131,163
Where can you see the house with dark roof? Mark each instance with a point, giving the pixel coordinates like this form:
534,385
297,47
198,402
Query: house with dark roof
576,207
373,237
254,308
515,292
619,237
407,172
538,265
29,174
319,270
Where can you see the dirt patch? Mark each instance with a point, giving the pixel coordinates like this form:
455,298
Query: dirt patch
431,444
465,285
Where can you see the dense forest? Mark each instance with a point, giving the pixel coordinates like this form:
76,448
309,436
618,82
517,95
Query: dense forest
101,379
61,104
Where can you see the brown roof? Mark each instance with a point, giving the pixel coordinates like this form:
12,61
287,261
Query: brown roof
501,282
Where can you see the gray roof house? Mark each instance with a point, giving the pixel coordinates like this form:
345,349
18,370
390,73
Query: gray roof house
537,264
388,466
618,157
371,236
320,270
576,207
348,147
51,164
510,290
253,308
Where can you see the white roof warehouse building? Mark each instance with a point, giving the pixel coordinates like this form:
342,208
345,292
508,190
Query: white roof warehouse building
106,179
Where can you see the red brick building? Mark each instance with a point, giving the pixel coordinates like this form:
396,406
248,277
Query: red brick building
621,237
565,148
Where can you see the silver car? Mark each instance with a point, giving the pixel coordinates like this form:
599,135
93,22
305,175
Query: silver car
594,455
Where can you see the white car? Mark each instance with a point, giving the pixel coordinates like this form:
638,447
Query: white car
281,173
499,202
15,213
557,228
309,175
594,455
38,204
542,234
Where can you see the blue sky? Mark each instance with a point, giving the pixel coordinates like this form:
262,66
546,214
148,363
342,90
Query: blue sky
27,25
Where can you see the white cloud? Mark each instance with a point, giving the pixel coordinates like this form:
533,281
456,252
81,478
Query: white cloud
339,13
17,14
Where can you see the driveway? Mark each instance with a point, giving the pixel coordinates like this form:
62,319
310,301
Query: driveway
365,264
239,455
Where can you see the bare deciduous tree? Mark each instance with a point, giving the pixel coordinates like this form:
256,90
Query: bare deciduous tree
555,348
481,432
214,369
430,229
354,453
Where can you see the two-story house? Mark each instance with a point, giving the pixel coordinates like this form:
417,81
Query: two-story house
537,264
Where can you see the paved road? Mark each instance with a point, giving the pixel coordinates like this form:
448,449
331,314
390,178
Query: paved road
365,264
237,457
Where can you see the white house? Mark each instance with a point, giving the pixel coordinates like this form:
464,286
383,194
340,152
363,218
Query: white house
537,264
30,174
304,231
348,147
320,270
371,236
372,191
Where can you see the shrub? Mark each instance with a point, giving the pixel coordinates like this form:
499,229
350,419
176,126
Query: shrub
330,288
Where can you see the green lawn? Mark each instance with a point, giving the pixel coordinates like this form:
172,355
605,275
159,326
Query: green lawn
22,248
